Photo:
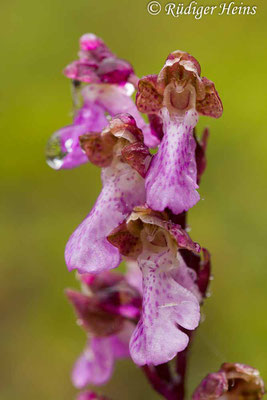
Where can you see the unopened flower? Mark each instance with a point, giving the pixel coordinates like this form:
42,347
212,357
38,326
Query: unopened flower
231,382
108,309
171,296
97,64
177,95
124,159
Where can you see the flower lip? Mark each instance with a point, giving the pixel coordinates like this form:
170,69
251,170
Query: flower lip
170,295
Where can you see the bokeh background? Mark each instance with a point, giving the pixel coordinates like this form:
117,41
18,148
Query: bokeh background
41,207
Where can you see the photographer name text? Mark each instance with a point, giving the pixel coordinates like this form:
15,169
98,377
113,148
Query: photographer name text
198,11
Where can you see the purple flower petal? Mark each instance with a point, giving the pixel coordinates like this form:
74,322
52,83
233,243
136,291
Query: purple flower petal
88,249
114,70
120,341
98,64
94,46
166,304
63,148
212,387
95,365
117,100
171,179
83,71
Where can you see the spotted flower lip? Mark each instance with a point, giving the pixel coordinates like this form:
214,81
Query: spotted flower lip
170,293
97,64
232,381
176,96
123,188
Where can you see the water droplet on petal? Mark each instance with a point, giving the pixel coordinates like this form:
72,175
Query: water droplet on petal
54,152
129,88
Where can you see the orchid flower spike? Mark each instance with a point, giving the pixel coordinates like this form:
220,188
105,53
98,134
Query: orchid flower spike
124,159
171,296
177,95
108,309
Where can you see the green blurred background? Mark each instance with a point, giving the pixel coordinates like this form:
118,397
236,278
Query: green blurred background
40,207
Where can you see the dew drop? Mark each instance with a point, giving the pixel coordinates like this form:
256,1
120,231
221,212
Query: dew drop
129,88
54,152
